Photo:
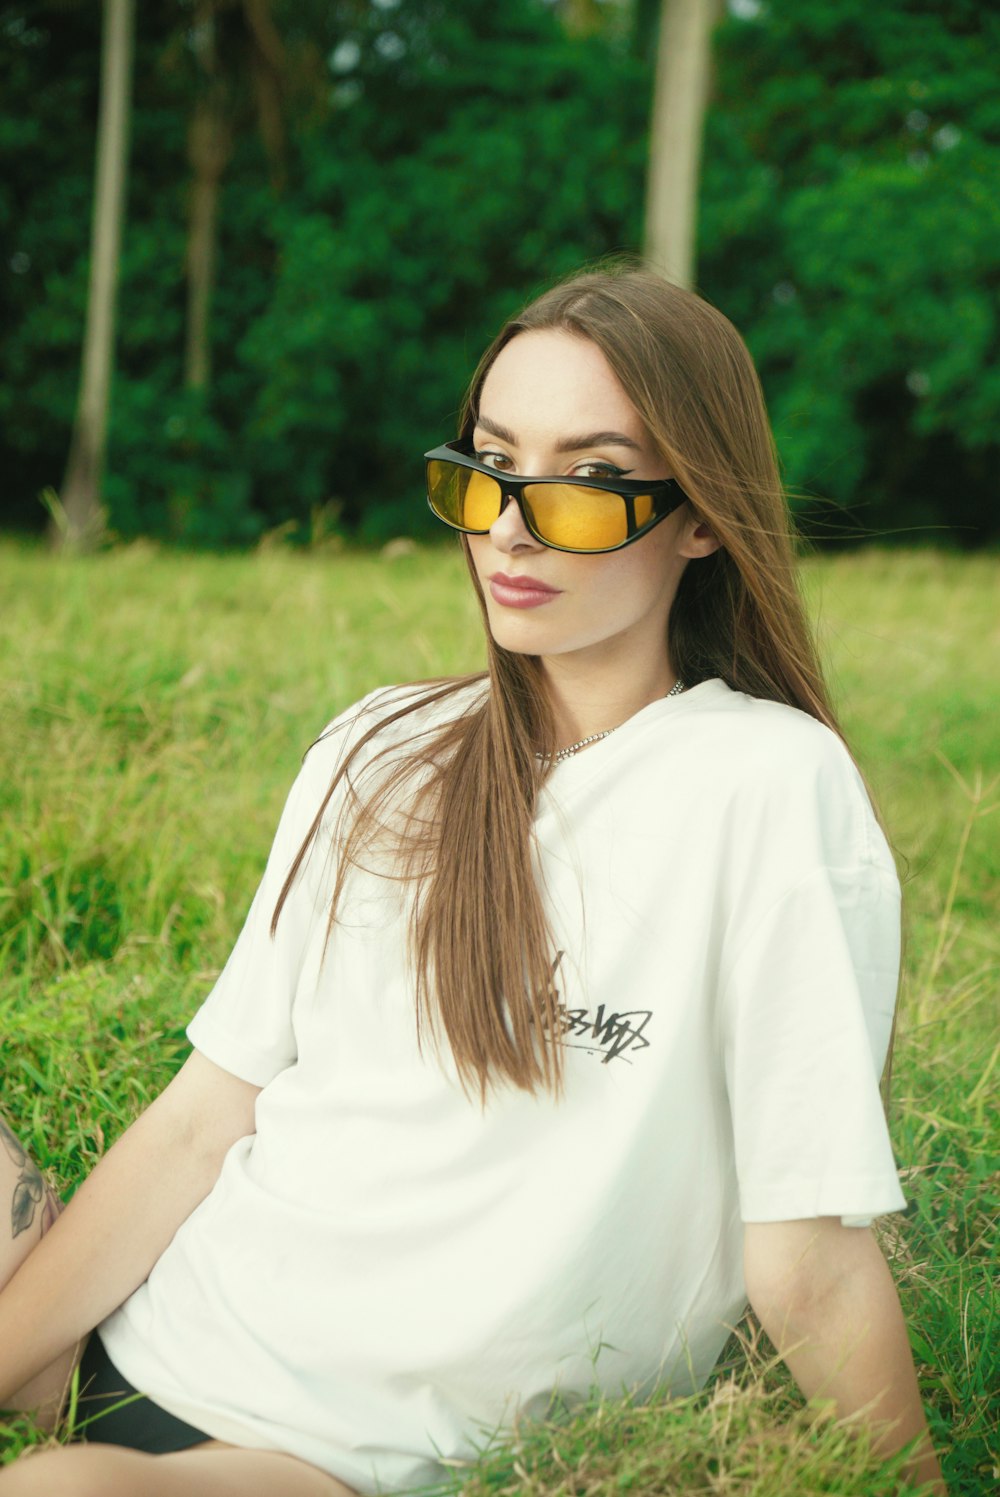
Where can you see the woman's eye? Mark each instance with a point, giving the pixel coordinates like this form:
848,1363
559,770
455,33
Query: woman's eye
599,470
493,460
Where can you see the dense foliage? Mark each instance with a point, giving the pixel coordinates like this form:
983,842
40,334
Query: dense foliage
851,225
441,162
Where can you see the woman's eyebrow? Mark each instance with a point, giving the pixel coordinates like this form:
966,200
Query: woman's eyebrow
597,439
496,430
566,444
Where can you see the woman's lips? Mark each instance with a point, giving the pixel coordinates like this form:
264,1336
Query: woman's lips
520,592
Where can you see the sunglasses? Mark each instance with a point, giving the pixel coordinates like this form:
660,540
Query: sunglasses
581,514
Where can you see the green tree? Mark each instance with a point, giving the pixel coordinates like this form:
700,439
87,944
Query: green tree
472,158
851,226
441,162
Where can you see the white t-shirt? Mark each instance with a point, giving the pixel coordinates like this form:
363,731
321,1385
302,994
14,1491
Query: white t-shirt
385,1272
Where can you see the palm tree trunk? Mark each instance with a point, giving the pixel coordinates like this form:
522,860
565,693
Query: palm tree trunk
80,515
680,96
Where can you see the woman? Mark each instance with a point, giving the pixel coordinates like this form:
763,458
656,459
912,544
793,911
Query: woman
573,1046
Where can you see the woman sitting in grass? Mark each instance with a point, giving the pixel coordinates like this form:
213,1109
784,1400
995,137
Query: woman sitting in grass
555,1028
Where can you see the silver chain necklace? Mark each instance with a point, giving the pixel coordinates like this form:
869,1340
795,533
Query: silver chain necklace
574,748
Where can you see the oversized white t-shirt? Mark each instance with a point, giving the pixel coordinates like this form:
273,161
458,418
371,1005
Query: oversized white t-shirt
386,1272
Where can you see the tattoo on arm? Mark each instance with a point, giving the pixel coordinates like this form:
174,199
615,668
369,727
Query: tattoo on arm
29,1187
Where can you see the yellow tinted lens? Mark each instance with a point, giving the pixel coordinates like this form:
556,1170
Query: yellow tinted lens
643,509
482,500
462,497
582,519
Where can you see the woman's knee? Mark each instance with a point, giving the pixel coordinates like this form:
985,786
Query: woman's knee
75,1471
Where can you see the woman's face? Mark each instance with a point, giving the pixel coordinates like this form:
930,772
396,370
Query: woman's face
551,406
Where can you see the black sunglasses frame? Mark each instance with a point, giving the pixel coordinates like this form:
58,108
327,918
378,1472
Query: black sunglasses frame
666,494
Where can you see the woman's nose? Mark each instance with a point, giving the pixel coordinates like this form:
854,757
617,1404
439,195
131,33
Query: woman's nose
509,532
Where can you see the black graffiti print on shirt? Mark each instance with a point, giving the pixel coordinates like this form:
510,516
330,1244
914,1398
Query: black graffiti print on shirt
613,1034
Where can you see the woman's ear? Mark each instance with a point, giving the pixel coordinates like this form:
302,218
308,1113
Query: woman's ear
697,539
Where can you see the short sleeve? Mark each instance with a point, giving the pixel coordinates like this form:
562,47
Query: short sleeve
245,1023
807,1016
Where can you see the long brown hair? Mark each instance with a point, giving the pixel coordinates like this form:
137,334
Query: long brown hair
456,808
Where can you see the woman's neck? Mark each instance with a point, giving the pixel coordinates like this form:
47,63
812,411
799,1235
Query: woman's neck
587,700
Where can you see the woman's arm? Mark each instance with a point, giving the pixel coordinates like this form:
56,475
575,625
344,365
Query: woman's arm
121,1218
824,1295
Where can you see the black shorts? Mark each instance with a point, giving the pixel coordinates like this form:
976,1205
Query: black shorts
140,1423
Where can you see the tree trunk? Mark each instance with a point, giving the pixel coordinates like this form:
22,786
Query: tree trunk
269,70
210,141
680,97
80,517
209,145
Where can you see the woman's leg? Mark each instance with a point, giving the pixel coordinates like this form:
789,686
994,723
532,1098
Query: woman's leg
210,1470
28,1207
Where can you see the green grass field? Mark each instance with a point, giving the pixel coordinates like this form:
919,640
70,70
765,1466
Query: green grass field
154,711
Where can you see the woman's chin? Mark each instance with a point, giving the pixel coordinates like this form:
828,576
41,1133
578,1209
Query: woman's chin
519,634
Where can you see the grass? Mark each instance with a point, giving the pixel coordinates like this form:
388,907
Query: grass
154,709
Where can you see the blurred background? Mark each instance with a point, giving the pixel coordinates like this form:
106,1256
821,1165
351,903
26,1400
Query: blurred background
329,206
